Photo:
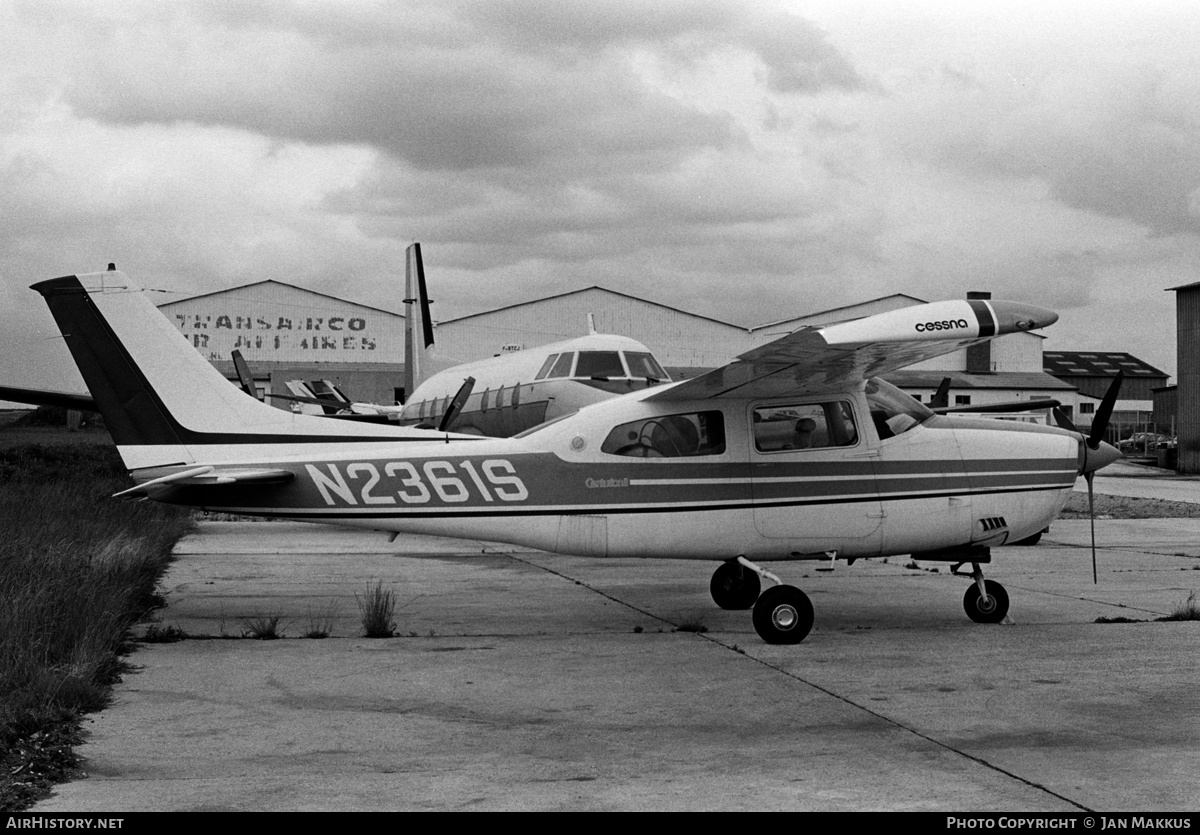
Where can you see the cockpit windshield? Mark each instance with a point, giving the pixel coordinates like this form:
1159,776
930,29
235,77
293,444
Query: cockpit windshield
601,365
892,411
643,364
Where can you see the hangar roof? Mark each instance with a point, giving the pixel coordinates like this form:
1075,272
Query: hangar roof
594,288
1097,364
270,284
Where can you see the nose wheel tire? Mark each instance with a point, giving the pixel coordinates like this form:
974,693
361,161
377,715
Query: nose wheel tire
734,586
991,610
783,615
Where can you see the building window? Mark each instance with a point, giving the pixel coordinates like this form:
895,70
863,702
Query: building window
962,400
1087,408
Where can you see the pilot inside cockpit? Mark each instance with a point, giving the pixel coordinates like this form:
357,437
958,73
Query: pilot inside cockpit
805,427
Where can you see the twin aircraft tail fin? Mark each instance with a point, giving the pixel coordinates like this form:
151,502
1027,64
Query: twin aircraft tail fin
161,400
418,324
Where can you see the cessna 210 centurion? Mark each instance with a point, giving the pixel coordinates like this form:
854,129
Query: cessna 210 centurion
796,450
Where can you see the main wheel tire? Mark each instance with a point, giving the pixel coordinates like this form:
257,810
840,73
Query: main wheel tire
783,615
992,611
734,586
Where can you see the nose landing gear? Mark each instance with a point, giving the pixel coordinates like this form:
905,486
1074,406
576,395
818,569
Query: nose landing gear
986,601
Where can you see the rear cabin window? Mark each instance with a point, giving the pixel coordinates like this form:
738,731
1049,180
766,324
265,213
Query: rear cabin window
670,436
804,426
599,364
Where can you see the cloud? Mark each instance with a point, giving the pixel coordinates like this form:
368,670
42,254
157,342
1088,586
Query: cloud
440,86
732,159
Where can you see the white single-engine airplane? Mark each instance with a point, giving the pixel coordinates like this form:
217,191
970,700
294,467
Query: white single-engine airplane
793,451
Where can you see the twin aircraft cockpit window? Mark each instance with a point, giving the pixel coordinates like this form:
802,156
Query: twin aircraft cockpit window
602,365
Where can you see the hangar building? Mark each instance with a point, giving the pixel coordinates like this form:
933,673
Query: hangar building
287,332
1187,395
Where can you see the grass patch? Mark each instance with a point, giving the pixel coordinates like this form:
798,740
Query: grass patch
1187,610
163,635
377,609
692,625
76,572
264,628
320,621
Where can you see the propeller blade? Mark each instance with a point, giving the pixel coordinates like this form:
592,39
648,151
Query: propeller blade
1088,477
456,404
1100,421
1064,422
245,378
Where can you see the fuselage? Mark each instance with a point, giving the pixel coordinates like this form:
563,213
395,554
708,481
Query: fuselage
770,479
516,391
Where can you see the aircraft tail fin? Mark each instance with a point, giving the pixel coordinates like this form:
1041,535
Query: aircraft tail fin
418,324
162,401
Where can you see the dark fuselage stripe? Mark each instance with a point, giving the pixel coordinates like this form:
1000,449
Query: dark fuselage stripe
987,322
597,510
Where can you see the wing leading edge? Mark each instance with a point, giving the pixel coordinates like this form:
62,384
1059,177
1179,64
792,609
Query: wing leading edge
845,354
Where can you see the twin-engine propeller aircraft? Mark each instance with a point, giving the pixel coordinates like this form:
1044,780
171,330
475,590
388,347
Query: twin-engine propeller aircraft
513,391
793,451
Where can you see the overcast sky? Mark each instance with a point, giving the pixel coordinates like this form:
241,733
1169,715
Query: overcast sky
744,161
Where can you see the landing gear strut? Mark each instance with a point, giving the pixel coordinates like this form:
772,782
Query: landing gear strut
782,614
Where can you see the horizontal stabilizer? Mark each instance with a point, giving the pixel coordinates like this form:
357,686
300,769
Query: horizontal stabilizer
208,476
41,397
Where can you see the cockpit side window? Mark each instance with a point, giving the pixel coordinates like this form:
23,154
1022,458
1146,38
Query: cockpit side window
546,366
604,364
562,368
804,426
669,436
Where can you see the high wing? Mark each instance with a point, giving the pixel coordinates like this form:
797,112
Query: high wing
845,354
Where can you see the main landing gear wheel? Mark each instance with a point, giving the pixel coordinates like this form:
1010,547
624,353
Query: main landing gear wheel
783,615
991,610
734,586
